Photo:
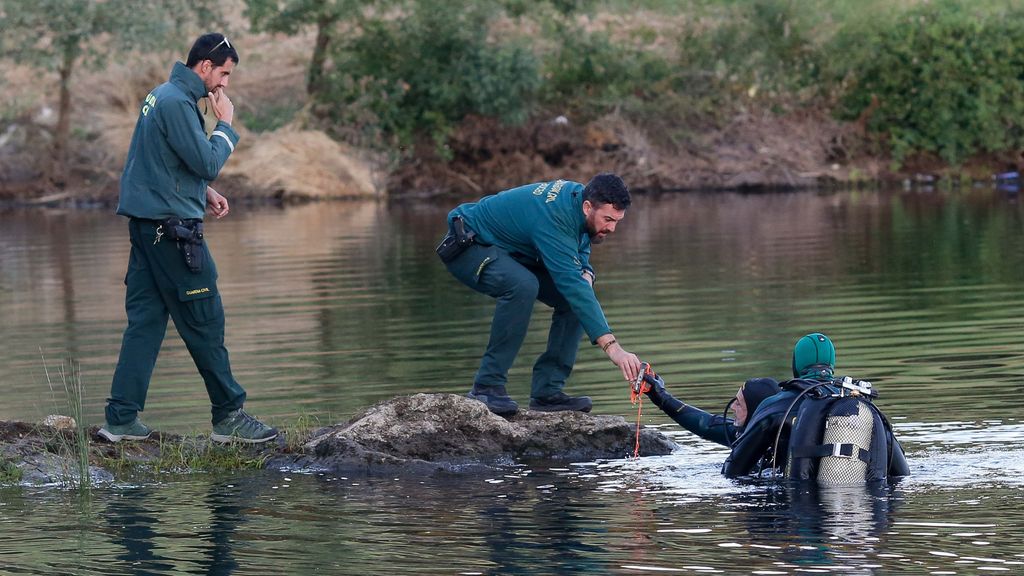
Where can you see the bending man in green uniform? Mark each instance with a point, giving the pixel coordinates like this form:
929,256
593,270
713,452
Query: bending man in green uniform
533,243
164,192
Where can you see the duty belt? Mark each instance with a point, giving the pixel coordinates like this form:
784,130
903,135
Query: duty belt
188,234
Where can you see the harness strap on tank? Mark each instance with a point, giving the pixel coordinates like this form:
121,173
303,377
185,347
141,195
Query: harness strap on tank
836,450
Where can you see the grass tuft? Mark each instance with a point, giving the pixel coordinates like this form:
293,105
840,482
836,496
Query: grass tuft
73,446
184,455
9,472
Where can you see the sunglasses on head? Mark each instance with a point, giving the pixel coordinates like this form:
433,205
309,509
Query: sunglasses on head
223,42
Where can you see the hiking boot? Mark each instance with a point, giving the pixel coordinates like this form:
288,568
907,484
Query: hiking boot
134,431
495,398
561,402
239,426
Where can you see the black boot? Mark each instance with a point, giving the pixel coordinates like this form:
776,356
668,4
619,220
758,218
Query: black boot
561,402
495,398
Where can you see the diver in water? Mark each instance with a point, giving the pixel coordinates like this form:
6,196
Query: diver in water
813,427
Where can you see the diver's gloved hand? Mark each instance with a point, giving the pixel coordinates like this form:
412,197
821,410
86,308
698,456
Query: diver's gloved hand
657,384
660,396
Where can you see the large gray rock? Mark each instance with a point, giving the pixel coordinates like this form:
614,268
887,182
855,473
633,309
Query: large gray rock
446,431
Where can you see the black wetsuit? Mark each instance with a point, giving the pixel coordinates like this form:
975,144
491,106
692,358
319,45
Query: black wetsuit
754,444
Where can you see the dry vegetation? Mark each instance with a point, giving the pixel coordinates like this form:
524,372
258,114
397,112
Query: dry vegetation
289,162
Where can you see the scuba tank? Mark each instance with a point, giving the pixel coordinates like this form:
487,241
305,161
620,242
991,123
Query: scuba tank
838,436
849,423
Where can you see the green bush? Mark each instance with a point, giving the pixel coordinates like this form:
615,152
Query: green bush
9,472
943,78
939,77
762,46
725,55
423,71
589,72
420,70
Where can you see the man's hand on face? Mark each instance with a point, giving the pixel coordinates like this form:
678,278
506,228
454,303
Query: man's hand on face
223,109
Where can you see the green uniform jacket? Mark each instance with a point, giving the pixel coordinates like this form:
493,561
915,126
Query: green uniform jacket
543,224
170,159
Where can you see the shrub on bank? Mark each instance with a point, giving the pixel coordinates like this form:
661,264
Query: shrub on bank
587,71
942,78
419,73
762,47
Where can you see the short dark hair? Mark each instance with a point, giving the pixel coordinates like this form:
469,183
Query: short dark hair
214,47
607,188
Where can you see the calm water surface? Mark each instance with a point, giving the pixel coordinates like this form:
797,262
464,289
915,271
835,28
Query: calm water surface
334,307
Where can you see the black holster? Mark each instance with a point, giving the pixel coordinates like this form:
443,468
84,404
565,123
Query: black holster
456,242
188,234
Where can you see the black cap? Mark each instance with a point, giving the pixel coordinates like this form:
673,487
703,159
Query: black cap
756,390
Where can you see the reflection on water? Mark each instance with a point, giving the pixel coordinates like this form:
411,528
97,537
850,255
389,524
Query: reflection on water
530,520
333,307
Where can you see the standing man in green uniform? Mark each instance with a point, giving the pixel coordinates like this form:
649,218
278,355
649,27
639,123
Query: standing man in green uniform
533,243
164,193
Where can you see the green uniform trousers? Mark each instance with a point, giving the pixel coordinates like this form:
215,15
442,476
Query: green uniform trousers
492,271
159,284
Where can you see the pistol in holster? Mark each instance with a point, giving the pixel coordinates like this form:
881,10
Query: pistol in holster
456,241
188,234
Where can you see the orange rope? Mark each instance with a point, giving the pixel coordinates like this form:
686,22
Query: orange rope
636,395
636,449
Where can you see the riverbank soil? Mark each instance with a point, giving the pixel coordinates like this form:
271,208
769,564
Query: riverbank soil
752,151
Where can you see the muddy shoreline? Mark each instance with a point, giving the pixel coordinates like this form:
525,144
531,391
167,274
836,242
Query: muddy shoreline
755,153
